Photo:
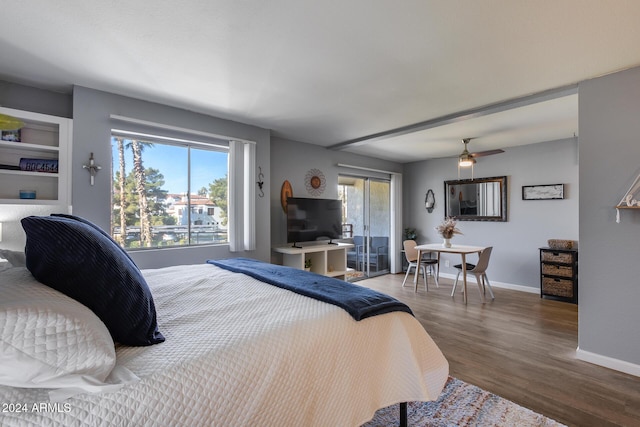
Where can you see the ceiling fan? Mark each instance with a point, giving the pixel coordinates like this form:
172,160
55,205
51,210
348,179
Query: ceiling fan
468,159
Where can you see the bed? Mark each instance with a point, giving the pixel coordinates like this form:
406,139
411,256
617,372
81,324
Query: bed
234,351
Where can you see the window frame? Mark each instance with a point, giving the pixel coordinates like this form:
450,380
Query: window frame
241,211
189,145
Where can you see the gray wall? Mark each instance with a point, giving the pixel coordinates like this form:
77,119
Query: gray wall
291,160
609,319
91,133
36,100
515,257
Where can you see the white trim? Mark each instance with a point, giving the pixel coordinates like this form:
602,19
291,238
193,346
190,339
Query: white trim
471,279
241,196
235,197
395,222
169,139
176,128
342,165
249,201
608,362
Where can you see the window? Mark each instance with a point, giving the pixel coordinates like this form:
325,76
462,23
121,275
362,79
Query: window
168,192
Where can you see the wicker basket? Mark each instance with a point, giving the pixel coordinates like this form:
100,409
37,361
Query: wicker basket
561,257
560,244
557,287
557,270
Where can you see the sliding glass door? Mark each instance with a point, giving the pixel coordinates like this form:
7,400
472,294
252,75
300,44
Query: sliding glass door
366,218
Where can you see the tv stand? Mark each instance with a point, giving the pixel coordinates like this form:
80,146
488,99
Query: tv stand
329,259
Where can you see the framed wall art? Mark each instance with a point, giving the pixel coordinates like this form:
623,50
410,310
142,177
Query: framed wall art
285,192
543,192
315,182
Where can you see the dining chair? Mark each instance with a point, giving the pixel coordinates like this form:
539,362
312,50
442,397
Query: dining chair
411,254
479,270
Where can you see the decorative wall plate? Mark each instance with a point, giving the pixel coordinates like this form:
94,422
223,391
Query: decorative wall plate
315,182
285,192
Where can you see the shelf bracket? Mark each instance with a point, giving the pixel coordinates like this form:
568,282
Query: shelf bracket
92,168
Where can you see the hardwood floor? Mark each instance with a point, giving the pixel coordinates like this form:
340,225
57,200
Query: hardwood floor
520,347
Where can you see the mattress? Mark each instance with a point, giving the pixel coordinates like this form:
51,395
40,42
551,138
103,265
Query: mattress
244,353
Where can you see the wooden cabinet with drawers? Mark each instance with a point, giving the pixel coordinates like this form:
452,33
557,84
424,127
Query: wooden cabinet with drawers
559,274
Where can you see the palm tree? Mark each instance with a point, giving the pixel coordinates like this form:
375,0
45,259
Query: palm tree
123,198
138,170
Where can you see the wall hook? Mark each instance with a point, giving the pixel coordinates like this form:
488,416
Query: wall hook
92,168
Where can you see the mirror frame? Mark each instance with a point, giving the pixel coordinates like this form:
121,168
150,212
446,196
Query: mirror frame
450,186
429,201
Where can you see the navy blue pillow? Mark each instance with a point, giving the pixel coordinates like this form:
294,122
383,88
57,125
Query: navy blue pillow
104,233
78,259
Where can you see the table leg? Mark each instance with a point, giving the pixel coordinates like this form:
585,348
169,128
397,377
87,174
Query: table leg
403,414
464,277
415,275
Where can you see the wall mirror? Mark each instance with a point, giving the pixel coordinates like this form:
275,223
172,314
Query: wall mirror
480,199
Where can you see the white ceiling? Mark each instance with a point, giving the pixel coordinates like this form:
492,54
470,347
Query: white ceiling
326,72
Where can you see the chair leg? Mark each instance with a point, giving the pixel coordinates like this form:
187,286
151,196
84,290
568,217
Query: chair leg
479,281
453,291
419,268
434,273
406,275
424,276
488,285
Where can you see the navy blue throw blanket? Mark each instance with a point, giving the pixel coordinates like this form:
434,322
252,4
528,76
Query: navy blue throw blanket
358,301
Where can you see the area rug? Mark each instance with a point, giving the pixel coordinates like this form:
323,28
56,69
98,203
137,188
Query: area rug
354,275
462,404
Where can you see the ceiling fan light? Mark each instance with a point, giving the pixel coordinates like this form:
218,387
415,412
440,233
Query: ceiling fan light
465,161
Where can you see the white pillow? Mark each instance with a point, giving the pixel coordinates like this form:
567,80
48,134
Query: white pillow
4,264
15,258
49,340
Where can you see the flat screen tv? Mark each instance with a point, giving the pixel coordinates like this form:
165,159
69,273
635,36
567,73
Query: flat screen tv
313,219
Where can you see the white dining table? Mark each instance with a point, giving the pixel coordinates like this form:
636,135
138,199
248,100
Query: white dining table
463,250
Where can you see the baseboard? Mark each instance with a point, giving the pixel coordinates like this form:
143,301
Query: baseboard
608,362
471,279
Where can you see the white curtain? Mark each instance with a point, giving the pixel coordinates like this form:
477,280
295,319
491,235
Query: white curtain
242,230
396,223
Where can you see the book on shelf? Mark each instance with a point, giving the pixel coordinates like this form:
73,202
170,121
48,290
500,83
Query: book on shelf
11,135
39,165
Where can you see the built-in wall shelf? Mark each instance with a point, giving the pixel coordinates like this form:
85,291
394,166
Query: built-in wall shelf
28,146
43,137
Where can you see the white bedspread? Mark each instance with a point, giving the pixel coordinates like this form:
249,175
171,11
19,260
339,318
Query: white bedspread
242,353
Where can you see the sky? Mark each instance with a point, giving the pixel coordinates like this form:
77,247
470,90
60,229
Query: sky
171,161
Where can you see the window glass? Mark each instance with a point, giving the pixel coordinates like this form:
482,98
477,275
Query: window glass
168,193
